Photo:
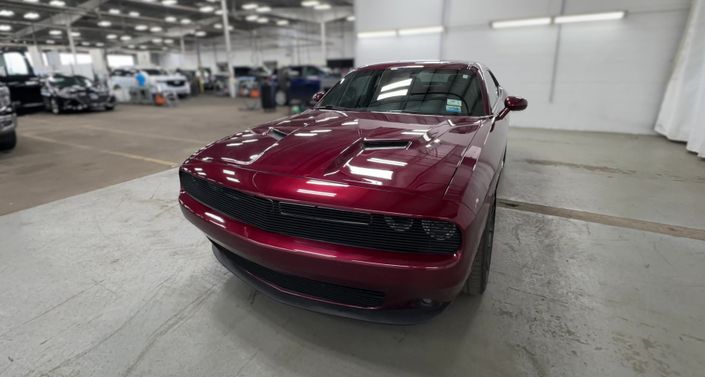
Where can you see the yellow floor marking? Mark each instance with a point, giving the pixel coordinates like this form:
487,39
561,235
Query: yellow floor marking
622,222
143,134
106,151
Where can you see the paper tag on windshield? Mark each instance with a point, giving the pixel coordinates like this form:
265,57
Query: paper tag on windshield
453,102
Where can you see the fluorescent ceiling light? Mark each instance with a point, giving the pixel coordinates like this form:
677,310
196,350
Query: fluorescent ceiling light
321,7
206,9
218,26
104,23
252,17
134,14
125,38
142,47
200,33
155,29
50,42
31,1
4,27
111,36
309,3
57,3
169,2
85,44
141,27
421,30
75,34
157,40
31,15
168,41
114,11
377,34
99,44
522,22
249,6
350,18
6,13
395,85
263,9
589,17
262,20
54,32
170,19
185,21
395,93
282,22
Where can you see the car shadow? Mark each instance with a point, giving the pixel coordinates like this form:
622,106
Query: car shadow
420,349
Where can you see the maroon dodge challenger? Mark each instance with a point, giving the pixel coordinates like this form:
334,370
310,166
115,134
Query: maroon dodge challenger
377,204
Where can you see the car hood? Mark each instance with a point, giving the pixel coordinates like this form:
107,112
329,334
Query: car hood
412,153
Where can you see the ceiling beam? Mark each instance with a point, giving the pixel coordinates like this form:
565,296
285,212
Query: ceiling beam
62,18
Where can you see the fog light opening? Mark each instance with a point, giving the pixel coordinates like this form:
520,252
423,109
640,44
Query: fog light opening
427,303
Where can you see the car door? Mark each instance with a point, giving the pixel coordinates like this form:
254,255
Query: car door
17,74
496,144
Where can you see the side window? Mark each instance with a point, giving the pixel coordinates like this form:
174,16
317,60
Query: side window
311,71
492,88
15,64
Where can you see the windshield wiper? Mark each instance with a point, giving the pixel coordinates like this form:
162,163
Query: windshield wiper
331,107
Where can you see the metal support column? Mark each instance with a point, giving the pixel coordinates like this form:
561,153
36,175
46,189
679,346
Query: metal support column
228,51
72,45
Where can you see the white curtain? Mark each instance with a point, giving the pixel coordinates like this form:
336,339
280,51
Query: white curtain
682,115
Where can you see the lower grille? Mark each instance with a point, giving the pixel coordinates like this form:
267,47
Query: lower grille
370,231
175,83
326,291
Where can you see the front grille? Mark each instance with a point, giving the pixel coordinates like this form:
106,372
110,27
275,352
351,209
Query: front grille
370,231
326,291
175,82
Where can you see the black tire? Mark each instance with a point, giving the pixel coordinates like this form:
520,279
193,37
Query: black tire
281,98
8,141
480,270
110,107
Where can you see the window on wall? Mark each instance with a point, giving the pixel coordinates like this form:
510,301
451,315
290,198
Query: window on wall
115,60
67,58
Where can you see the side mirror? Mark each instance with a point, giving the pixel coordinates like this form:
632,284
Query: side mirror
317,97
512,104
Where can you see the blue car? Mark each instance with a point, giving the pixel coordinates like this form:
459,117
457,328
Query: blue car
301,82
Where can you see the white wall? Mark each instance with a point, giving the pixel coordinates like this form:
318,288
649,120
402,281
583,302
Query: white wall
610,75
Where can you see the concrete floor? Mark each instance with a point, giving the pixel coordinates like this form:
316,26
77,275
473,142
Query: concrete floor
60,156
115,282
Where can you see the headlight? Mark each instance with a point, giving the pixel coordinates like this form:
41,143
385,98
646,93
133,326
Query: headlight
399,224
4,97
66,92
438,230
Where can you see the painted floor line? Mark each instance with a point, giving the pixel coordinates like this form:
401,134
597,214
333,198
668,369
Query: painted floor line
143,134
106,151
622,222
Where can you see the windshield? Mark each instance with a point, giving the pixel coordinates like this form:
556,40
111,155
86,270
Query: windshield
66,81
418,90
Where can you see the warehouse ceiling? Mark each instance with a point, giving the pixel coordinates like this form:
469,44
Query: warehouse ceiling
150,24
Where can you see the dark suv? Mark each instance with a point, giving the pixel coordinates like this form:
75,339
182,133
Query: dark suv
8,120
18,75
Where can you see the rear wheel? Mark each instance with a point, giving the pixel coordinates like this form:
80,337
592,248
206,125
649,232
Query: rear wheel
8,141
54,104
480,271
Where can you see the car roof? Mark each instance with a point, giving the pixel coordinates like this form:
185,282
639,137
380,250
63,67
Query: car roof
448,64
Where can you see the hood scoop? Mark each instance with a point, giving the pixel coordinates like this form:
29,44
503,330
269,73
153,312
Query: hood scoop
277,133
383,144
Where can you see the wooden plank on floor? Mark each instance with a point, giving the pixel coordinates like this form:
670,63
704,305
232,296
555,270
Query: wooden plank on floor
622,222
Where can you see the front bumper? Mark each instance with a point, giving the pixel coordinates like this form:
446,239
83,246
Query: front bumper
80,103
404,279
8,121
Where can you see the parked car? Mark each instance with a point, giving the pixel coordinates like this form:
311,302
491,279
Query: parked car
158,80
377,204
74,93
300,82
17,74
8,120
